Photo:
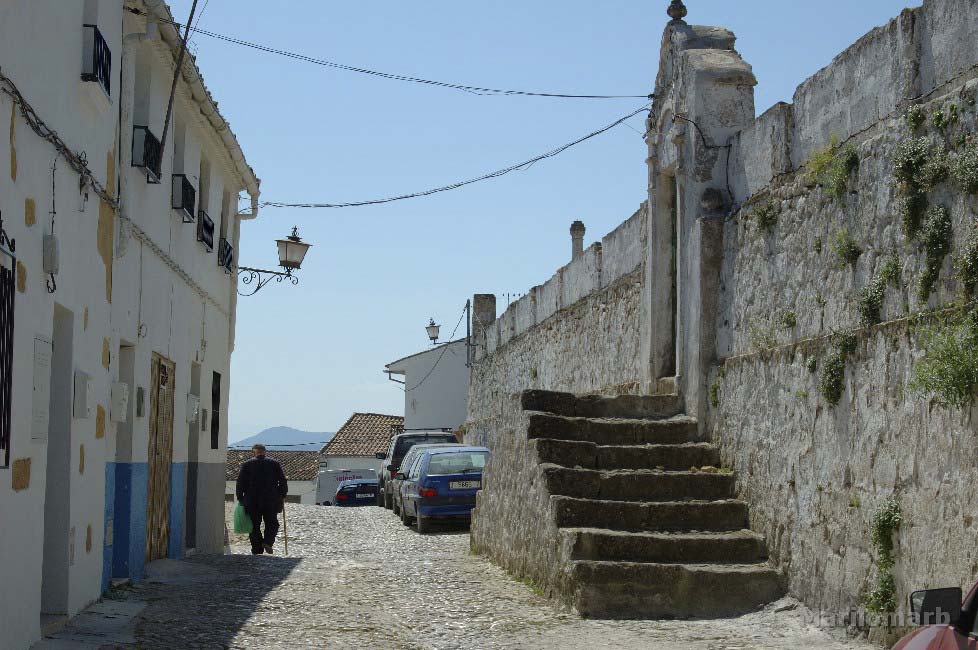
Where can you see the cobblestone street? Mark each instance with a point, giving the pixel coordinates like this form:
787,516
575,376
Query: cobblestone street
357,578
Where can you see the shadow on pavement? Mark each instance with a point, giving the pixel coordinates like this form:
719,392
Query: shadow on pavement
204,601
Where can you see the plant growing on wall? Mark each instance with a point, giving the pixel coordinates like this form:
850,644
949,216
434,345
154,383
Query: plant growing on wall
715,386
832,167
761,335
787,319
886,521
871,297
916,173
831,383
766,216
966,264
936,235
845,248
914,118
949,370
964,169
942,119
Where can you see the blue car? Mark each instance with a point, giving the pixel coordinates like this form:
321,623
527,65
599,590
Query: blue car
441,484
356,492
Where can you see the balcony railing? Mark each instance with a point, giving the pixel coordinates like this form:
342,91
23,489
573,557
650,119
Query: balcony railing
205,230
96,59
184,197
146,153
225,256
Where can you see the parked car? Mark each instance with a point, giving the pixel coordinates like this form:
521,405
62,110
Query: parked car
358,492
442,484
400,444
329,480
409,458
948,623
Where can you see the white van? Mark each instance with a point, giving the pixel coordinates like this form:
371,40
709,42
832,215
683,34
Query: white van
330,479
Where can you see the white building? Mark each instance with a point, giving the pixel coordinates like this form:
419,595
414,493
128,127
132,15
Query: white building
357,443
134,297
301,470
436,386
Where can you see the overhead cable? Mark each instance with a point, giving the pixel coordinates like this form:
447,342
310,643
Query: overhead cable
453,186
476,90
444,349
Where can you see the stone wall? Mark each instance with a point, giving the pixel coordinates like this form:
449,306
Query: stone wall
814,473
577,332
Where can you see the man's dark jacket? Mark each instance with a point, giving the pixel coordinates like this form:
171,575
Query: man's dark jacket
261,485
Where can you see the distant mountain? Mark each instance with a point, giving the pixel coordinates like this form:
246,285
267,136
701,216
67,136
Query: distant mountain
286,438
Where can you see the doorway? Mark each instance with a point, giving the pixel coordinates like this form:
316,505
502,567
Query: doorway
160,458
57,500
666,290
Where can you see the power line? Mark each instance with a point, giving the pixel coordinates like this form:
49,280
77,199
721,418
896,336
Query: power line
476,90
453,186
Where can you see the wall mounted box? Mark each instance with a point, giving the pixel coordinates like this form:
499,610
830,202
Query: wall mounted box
50,258
82,404
140,402
119,411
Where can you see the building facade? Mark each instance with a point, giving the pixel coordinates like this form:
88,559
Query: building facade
436,386
301,470
356,445
118,303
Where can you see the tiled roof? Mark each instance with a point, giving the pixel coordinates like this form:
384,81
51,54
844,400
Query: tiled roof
364,434
297,465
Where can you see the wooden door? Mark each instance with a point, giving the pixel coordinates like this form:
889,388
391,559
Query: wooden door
160,458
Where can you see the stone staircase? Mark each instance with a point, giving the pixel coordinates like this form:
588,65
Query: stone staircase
647,522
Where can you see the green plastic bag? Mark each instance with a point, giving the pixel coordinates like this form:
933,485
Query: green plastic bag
242,522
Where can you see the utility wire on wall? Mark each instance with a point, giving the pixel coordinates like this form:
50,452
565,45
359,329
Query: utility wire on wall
453,186
444,349
476,90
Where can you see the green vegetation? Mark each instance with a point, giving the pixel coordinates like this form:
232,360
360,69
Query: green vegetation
966,264
870,301
832,382
715,387
891,271
942,119
761,335
964,169
914,118
886,521
766,216
936,235
811,363
909,159
845,343
854,501
913,206
820,300
949,370
801,394
832,167
787,319
934,170
845,248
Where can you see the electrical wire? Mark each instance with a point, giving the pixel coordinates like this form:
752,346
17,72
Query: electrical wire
444,349
453,186
476,90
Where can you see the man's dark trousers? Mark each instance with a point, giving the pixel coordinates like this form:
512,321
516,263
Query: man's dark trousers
271,529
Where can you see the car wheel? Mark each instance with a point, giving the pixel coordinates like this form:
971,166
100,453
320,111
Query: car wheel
424,524
380,498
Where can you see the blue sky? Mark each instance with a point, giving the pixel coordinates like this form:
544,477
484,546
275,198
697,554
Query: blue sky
308,356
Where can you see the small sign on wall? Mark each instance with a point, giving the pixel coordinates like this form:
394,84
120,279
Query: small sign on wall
40,404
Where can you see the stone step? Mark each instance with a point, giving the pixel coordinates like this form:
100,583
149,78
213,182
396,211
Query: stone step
734,547
725,515
616,590
611,431
599,406
571,453
637,485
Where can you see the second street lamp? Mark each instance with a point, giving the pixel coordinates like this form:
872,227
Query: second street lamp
432,330
291,251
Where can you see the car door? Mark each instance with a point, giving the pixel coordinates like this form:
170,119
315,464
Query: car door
409,487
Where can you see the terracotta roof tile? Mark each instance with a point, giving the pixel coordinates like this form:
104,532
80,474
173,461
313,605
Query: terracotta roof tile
297,465
364,434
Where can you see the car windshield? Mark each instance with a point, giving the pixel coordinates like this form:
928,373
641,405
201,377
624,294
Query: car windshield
457,462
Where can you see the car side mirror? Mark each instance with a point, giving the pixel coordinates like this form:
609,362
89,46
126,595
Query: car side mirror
391,468
380,455
936,606
401,476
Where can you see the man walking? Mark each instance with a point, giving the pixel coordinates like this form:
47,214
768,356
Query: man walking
261,490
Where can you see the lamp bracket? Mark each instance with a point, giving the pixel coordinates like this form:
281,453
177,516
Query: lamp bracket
258,278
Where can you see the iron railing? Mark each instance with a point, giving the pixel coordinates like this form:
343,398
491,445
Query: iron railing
96,59
147,153
205,230
184,197
225,256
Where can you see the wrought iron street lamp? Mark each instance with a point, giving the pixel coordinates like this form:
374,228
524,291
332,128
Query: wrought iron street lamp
432,330
291,251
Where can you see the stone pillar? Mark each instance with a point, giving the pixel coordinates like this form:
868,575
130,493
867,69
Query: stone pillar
483,316
577,239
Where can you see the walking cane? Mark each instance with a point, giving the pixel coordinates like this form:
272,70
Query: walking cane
285,528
